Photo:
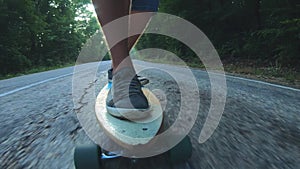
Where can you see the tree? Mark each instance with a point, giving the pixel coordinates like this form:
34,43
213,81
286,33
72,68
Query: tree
42,32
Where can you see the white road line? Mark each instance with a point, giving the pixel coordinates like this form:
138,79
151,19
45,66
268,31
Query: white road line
33,84
255,81
58,77
245,79
252,80
41,82
265,83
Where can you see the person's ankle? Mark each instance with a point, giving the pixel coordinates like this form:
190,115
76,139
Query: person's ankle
126,63
127,92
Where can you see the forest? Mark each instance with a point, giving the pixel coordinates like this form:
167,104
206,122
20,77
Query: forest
261,33
42,33
258,33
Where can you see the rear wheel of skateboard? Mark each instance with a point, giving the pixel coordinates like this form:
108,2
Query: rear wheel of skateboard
181,152
87,156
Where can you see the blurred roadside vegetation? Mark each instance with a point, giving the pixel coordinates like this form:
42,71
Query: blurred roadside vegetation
260,37
37,35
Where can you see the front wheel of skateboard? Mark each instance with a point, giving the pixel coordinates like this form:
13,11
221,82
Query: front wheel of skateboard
87,156
181,152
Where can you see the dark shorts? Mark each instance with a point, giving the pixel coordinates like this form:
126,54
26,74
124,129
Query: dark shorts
145,5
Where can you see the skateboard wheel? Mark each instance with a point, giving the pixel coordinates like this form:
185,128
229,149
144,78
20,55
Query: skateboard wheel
87,156
181,152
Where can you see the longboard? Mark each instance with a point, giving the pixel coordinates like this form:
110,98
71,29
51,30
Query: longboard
125,132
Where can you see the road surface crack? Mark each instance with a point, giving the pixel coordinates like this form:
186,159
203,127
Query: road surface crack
85,92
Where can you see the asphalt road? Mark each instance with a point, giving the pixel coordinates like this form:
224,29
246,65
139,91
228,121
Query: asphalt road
260,126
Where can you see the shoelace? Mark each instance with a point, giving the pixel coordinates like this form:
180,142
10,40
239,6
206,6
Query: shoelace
135,86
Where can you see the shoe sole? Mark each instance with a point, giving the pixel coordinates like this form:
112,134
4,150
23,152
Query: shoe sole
130,114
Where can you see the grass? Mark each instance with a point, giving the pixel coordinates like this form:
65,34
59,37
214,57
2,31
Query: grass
272,74
36,70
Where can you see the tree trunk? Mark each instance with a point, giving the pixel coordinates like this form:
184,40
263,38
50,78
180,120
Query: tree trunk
257,13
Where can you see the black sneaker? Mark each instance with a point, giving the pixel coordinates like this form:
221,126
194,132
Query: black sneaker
110,74
128,100
142,80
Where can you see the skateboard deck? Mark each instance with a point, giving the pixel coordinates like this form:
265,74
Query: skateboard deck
125,132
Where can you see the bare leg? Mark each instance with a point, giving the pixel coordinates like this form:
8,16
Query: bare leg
127,92
107,11
137,24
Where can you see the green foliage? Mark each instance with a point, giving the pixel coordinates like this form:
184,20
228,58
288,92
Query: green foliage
37,33
95,49
264,32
